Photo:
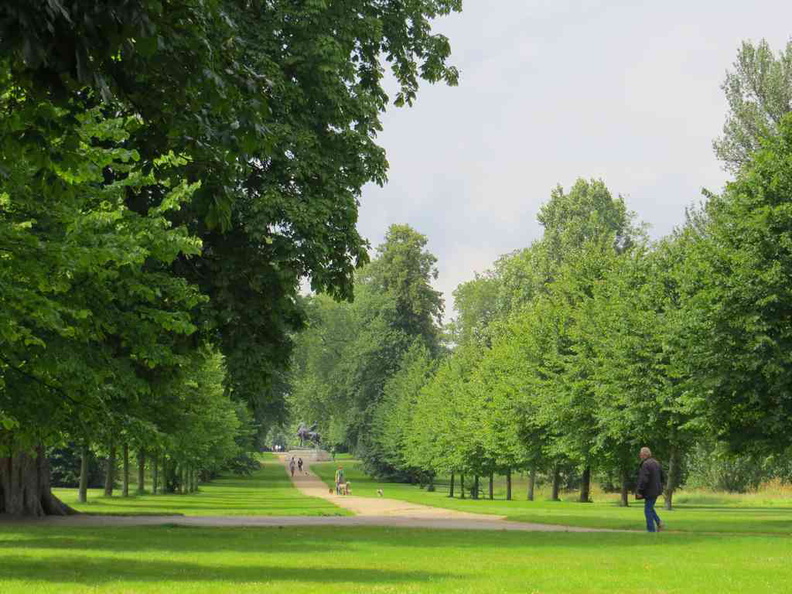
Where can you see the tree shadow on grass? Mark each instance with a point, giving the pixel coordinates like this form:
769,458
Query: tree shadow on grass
302,540
95,570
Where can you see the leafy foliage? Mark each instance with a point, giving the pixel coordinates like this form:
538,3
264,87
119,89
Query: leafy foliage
759,94
345,360
171,171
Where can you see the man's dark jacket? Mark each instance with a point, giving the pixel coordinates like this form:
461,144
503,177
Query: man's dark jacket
650,479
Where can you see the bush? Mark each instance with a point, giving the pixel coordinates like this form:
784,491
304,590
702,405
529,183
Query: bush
713,467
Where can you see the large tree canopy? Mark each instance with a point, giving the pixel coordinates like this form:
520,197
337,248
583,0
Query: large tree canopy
275,104
739,301
233,138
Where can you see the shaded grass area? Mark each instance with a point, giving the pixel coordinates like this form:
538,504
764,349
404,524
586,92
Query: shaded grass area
691,514
37,559
267,492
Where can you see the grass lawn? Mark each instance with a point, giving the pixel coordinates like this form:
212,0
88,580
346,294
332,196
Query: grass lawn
330,559
344,457
267,492
692,513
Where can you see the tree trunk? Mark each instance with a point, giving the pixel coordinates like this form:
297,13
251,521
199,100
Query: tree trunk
169,480
531,484
141,479
154,474
556,484
508,485
585,485
25,486
451,488
164,486
461,486
125,478
82,494
625,489
491,492
475,487
110,471
673,471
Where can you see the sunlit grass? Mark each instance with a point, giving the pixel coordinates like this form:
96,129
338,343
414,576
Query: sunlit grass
333,560
694,511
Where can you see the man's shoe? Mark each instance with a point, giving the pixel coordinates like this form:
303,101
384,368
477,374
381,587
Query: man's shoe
661,526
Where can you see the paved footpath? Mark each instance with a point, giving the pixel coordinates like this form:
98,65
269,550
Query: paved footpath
369,511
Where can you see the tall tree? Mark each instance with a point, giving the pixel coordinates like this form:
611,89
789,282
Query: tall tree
738,302
404,270
759,94
344,360
393,416
88,300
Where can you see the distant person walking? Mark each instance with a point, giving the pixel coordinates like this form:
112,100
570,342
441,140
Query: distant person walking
291,465
299,464
339,480
650,486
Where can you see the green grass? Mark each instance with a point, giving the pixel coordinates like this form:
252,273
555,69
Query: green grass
267,492
343,457
692,513
36,559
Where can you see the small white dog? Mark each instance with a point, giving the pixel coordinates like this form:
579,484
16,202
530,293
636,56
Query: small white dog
379,492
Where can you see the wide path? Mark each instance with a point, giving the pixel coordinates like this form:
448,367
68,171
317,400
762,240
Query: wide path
382,511
311,485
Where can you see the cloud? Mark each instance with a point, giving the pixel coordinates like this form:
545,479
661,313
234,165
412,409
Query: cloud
552,91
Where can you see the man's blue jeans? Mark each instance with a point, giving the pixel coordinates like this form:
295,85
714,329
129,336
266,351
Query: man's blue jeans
651,515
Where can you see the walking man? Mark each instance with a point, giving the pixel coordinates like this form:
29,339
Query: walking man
291,465
650,486
339,479
300,465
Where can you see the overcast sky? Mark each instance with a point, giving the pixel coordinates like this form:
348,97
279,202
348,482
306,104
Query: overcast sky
555,90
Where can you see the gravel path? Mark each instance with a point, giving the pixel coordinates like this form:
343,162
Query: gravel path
310,484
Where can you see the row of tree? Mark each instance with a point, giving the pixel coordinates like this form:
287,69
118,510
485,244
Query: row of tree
573,353
169,173
349,350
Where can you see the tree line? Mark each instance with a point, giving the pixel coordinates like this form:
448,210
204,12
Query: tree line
569,355
169,174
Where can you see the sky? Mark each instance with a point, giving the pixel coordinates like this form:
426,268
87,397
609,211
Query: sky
554,90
